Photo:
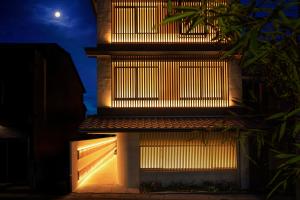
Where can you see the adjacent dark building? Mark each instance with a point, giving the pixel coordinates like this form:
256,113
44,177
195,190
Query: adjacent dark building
41,106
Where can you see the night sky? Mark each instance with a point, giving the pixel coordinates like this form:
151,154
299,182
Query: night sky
31,21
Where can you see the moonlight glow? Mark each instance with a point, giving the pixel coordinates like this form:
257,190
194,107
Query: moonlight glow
57,14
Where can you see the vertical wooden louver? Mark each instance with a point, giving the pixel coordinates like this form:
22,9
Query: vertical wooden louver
175,151
166,81
139,21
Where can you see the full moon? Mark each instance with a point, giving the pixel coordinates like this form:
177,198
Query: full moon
57,14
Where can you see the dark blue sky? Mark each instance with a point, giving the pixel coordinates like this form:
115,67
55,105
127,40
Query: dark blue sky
34,21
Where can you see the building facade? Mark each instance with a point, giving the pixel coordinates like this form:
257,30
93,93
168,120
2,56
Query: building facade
163,98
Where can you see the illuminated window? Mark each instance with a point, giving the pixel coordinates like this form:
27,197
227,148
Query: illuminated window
147,82
146,19
168,81
140,21
125,16
201,82
188,151
125,82
134,20
136,83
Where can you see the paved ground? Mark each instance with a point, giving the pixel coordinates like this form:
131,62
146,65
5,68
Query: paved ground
89,196
101,180
163,197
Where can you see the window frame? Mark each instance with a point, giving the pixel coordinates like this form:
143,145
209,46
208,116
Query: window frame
136,85
201,97
135,20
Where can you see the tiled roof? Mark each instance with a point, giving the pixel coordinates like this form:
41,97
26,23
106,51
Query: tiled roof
157,123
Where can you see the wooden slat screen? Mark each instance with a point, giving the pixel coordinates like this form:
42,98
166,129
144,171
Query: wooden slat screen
139,21
166,81
188,151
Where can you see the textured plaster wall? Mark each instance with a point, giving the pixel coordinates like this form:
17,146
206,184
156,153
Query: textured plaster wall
128,156
104,81
235,82
104,21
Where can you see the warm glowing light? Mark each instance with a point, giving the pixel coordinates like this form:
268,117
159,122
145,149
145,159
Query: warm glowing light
87,147
193,151
99,166
139,21
89,155
57,14
159,81
92,155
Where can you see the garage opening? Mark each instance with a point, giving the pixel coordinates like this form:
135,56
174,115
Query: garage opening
93,165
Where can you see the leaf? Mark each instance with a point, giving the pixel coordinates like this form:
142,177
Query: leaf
293,160
235,49
292,3
253,96
296,129
254,59
282,130
253,41
186,8
276,116
292,113
283,156
274,177
177,17
169,7
290,161
195,23
275,188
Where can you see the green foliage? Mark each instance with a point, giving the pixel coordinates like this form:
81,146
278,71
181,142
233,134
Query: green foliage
267,42
286,171
205,187
260,41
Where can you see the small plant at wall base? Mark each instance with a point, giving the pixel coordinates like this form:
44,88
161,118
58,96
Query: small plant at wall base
264,35
205,187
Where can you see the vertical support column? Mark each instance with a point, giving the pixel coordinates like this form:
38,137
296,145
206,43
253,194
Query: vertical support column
73,165
104,21
104,81
244,165
235,82
128,156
